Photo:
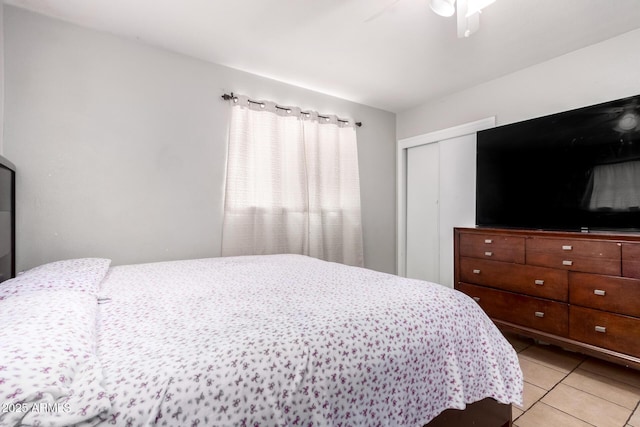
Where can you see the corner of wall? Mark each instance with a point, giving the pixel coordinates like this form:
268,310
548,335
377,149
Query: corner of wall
1,78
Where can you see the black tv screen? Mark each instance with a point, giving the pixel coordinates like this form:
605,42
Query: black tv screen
574,170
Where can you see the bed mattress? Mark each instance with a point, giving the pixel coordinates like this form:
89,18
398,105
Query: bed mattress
291,340
277,340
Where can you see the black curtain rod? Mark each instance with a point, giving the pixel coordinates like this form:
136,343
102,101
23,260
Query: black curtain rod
230,96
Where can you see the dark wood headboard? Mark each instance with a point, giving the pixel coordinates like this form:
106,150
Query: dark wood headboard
7,219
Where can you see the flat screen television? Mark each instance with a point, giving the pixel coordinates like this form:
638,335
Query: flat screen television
576,170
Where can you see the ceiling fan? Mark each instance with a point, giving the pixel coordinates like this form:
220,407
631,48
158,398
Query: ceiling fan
468,15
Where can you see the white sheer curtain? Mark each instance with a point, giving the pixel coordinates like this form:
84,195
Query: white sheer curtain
615,186
292,184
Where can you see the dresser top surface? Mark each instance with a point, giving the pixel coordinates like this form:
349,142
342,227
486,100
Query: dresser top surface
595,235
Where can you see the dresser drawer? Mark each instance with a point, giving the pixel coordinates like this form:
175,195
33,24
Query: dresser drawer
494,247
591,256
575,263
536,281
606,293
631,269
583,248
536,313
612,331
631,260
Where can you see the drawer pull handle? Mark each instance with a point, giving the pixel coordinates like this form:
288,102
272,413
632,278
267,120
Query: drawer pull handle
476,299
567,262
601,329
476,271
488,253
539,282
567,247
539,314
599,292
488,241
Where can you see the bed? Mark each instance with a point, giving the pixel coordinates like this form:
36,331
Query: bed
278,340
244,341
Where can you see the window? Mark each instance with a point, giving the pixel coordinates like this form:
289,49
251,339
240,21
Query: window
292,184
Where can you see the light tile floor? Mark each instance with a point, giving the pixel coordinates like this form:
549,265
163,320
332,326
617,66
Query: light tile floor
568,389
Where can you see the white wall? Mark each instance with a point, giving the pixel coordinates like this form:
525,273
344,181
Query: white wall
1,79
598,73
120,147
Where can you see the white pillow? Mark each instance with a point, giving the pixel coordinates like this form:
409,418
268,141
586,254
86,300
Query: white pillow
82,274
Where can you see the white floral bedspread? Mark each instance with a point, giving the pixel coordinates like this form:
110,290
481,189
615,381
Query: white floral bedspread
287,340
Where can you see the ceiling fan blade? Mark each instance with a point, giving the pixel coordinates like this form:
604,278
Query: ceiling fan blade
381,12
467,25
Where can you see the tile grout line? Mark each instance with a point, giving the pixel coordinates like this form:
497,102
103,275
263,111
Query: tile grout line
578,366
601,397
552,388
601,374
585,359
549,391
632,414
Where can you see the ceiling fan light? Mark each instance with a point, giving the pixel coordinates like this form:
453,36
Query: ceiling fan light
476,6
444,8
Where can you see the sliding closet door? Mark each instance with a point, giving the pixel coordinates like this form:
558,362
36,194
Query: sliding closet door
423,260
436,192
441,181
457,187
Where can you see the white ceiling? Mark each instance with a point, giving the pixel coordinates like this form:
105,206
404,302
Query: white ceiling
399,59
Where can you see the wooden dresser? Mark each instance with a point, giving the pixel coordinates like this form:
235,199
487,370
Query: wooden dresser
580,291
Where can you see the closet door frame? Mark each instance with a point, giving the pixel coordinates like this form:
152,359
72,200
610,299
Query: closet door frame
401,178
